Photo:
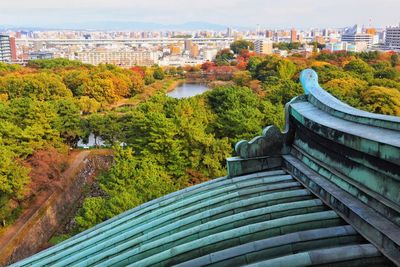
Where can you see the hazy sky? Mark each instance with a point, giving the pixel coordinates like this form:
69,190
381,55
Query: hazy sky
267,13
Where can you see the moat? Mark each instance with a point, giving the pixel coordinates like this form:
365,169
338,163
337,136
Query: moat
186,90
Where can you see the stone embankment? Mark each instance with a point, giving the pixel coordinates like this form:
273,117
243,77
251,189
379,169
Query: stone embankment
31,235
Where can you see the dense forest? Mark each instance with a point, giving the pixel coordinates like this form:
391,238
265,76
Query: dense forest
167,144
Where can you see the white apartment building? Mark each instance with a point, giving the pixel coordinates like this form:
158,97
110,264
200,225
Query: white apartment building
263,46
5,48
209,53
392,40
124,58
354,35
350,47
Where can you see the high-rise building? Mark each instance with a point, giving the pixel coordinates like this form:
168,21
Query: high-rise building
13,49
5,49
229,32
263,46
392,40
293,35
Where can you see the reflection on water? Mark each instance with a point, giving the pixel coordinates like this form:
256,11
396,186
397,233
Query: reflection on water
188,90
91,142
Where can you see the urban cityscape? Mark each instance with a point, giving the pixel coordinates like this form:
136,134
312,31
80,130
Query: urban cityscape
185,48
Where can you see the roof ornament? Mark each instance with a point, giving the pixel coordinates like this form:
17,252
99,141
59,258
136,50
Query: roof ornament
309,80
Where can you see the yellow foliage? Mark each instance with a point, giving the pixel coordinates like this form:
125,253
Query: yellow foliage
319,63
382,100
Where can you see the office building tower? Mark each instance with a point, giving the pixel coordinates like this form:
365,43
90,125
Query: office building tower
229,32
293,35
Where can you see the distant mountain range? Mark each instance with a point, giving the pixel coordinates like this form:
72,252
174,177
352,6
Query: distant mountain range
134,26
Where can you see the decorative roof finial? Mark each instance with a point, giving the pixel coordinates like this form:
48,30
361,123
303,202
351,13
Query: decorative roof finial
308,79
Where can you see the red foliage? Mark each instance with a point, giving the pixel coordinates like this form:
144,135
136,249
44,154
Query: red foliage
196,177
242,65
207,65
139,70
245,55
46,168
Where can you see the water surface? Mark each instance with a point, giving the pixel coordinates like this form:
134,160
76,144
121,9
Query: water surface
188,90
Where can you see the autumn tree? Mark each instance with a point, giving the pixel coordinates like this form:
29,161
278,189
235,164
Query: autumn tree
242,78
360,69
224,57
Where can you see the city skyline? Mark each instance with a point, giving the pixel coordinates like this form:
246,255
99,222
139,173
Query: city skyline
236,13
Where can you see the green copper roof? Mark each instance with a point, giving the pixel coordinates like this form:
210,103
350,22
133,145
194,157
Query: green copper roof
267,212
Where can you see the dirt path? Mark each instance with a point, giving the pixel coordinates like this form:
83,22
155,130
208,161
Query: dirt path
75,159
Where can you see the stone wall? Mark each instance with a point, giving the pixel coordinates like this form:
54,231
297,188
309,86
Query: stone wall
36,232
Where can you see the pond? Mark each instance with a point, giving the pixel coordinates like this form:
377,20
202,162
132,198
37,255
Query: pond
188,90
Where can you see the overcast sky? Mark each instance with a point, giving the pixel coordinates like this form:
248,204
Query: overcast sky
267,13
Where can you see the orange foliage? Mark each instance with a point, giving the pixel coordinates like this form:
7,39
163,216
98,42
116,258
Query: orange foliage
255,86
301,62
241,65
196,177
385,56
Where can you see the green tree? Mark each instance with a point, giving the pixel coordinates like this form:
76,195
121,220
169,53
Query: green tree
242,78
130,182
238,46
224,57
238,116
394,60
282,91
158,73
68,121
88,105
253,64
56,63
286,69
75,79
148,77
361,69
267,68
